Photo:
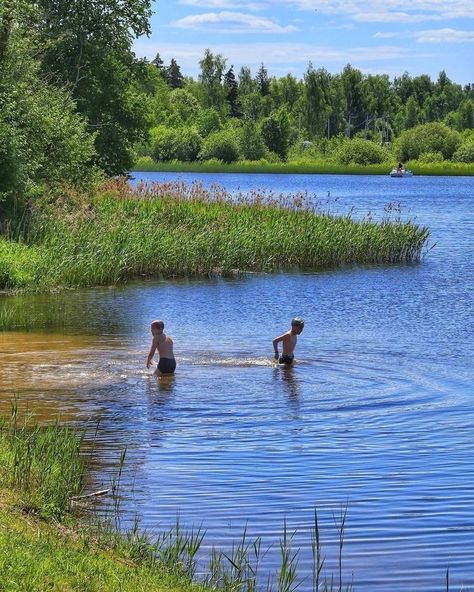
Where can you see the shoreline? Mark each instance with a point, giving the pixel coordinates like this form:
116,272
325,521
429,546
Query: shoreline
146,165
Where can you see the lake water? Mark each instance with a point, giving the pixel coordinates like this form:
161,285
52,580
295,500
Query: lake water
378,414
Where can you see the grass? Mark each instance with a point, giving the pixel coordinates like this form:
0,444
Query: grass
185,230
302,167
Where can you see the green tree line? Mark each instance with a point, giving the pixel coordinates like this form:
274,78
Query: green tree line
229,116
77,104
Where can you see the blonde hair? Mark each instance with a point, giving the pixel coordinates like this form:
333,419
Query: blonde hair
158,324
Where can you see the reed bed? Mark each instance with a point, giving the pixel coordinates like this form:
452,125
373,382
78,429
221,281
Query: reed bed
174,229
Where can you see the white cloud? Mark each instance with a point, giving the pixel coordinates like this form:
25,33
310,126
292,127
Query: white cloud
401,11
432,36
232,22
225,4
444,36
386,35
274,54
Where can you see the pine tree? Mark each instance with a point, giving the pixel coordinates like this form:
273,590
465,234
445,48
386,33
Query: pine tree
173,75
232,92
263,81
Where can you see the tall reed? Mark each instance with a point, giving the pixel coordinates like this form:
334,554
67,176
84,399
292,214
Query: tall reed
43,464
177,230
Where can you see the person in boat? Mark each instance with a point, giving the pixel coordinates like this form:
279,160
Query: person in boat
288,341
164,344
400,167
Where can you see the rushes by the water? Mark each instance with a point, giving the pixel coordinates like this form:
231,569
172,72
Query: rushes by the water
178,230
43,463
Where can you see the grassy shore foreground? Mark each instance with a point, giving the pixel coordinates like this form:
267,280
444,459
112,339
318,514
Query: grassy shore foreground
46,545
175,229
444,168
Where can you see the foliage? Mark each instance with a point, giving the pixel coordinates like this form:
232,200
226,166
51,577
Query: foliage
465,152
359,151
175,144
428,157
275,130
221,145
43,140
251,145
428,137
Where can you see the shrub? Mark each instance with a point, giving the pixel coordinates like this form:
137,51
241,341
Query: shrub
428,157
221,145
175,144
207,122
359,151
428,137
251,144
465,152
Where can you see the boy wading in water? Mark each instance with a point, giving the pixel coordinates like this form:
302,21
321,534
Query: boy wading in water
289,342
164,345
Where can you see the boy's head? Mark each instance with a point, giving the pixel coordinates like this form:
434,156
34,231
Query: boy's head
157,327
297,325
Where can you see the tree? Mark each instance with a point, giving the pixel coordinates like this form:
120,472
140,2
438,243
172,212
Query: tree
212,71
251,144
158,63
427,138
44,142
263,81
316,100
276,131
411,113
351,80
173,75
466,115
85,46
232,92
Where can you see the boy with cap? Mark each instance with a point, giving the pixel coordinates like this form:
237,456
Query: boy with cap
289,342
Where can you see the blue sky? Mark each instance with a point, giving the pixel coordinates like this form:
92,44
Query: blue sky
389,36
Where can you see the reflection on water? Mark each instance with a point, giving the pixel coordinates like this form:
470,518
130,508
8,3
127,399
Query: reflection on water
377,413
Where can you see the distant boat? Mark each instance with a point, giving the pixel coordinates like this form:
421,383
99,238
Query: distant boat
401,173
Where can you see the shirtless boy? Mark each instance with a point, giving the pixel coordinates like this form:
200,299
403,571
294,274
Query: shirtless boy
164,345
289,342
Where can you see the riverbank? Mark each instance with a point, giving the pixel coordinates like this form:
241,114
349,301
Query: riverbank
168,230
147,164
44,544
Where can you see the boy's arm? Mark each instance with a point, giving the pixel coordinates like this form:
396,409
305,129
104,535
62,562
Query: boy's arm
154,345
275,342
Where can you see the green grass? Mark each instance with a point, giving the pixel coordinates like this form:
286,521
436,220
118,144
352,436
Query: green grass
301,167
43,463
178,230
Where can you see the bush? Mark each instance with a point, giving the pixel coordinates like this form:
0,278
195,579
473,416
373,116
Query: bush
426,138
465,153
251,144
359,151
428,157
221,145
175,144
207,122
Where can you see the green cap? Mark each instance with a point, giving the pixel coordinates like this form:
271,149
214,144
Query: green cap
298,321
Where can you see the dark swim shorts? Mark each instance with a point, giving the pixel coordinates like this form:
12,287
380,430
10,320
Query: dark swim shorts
286,359
167,365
